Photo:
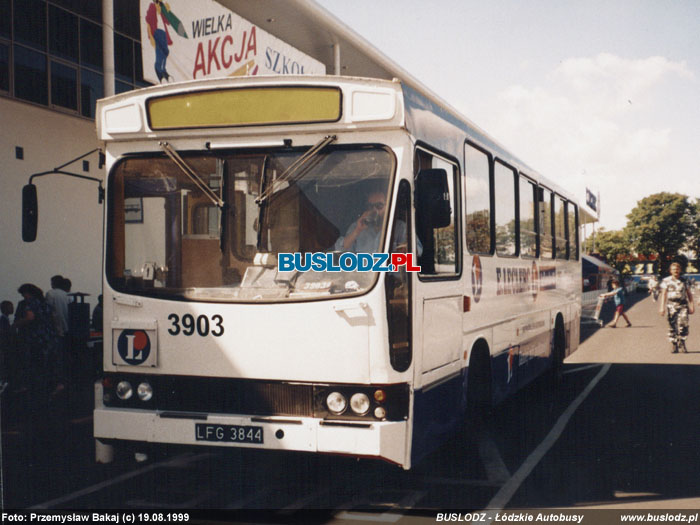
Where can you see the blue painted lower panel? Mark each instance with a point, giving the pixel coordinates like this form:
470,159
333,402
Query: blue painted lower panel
436,414
438,411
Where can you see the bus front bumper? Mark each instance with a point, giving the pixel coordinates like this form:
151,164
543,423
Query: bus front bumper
382,440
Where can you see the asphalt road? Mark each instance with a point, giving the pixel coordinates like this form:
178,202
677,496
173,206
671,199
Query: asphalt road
621,432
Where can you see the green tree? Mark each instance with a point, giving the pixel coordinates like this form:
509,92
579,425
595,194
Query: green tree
694,238
660,224
614,246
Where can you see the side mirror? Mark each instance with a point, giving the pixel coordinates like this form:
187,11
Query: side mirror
433,198
30,213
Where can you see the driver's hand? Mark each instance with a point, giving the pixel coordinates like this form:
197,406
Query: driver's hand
364,220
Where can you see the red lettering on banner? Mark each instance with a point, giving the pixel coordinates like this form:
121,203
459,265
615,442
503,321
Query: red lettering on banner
239,56
220,56
228,39
199,62
252,43
212,55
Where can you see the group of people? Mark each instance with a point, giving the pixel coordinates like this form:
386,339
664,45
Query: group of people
36,342
676,304
34,346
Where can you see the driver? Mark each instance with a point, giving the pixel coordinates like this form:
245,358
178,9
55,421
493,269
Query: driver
363,235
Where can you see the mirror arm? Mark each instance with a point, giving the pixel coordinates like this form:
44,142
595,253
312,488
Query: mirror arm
58,171
58,168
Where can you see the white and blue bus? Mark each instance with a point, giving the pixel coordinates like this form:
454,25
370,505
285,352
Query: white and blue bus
209,342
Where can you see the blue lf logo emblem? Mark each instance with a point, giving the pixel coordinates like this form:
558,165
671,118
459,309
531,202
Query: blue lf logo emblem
134,346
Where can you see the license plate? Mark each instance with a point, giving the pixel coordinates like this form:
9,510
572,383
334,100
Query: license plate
228,433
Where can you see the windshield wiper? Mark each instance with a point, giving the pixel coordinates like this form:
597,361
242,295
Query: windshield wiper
193,175
294,169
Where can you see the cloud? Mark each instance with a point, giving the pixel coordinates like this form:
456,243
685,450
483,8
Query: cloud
595,122
615,82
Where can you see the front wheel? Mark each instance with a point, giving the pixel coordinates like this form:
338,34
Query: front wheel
558,351
479,401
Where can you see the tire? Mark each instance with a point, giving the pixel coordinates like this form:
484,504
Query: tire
479,403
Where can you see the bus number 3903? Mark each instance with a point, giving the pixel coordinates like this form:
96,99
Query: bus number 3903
188,325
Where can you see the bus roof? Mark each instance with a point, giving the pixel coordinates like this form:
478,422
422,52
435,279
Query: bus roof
349,104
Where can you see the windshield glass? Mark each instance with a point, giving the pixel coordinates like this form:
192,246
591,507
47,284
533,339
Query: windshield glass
167,238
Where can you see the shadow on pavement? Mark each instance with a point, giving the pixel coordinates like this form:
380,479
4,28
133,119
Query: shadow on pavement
637,443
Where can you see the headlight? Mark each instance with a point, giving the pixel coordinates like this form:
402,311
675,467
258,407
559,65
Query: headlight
336,403
145,392
124,390
359,403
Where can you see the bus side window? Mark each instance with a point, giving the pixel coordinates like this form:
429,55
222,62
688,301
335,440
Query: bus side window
477,225
528,224
545,208
572,217
437,247
504,188
560,231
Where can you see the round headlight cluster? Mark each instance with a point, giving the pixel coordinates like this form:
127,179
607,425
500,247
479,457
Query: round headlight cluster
125,391
145,392
360,403
336,403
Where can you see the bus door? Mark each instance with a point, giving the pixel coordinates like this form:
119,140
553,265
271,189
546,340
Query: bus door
438,301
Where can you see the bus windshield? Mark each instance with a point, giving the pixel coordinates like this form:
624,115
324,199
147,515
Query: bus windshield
167,238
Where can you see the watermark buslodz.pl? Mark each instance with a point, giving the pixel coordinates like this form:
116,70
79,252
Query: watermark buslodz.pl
346,262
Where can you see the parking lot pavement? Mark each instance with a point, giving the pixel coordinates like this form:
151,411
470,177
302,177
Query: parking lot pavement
47,451
644,342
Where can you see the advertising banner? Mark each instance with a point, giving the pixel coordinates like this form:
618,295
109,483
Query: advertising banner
184,40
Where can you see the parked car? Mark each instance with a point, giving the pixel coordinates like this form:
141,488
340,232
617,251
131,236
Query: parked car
643,283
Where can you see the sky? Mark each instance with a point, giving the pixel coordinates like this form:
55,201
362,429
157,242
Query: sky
597,94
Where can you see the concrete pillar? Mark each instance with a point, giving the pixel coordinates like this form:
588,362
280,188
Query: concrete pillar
108,46
336,59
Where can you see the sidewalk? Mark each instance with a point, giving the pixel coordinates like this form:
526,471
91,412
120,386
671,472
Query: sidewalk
644,342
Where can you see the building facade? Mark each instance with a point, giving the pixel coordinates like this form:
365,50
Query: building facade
52,71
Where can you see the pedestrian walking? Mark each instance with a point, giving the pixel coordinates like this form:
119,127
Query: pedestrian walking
676,303
619,295
654,288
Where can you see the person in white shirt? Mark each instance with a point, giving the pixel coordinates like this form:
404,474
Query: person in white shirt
676,304
58,300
